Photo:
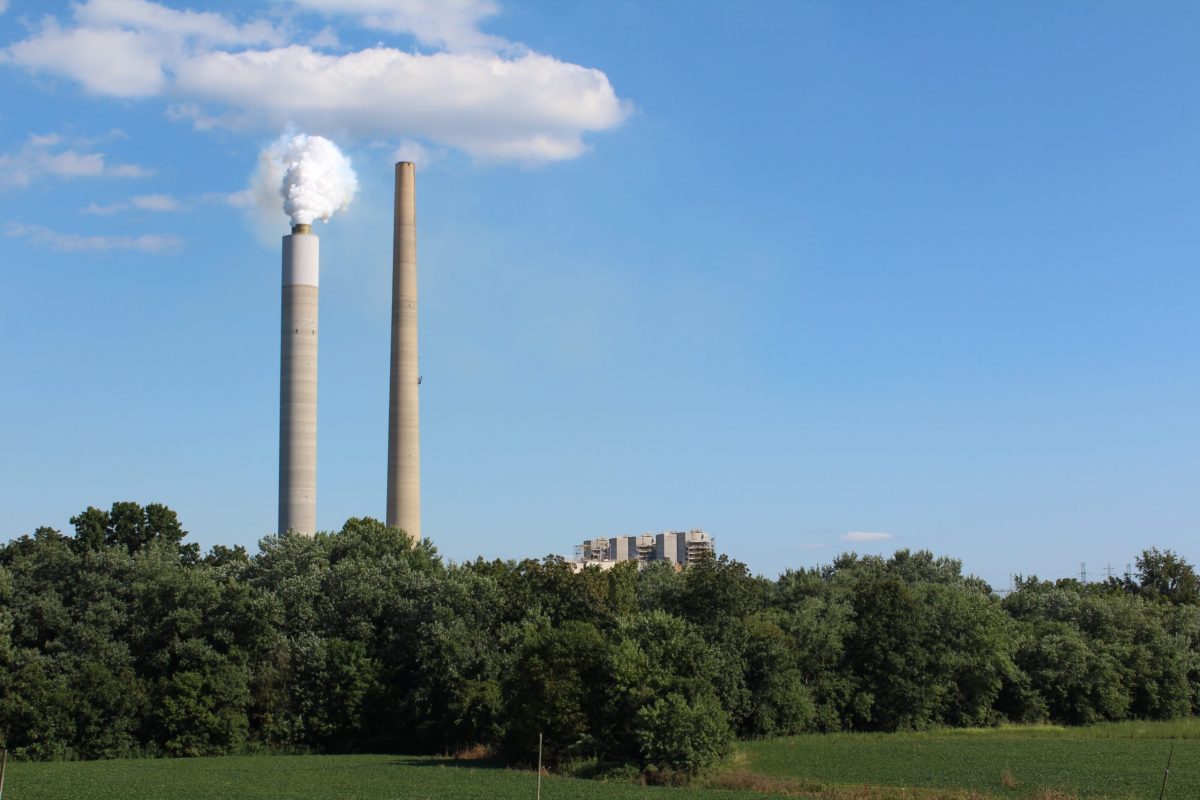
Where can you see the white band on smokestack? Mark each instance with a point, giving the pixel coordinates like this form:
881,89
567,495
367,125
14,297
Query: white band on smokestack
301,259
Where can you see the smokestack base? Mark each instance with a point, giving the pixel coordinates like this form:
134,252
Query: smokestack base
302,227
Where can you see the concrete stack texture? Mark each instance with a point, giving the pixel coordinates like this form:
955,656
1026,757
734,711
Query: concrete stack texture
404,434
298,383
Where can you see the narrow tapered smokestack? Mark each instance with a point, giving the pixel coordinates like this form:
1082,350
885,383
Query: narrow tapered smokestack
298,383
404,435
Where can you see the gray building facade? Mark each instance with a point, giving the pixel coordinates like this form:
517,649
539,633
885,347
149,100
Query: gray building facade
678,548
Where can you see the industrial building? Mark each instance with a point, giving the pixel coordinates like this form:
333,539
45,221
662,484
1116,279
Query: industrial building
679,548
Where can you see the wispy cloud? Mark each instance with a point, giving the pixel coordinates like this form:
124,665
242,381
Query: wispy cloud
866,536
156,202
144,202
450,25
480,94
262,206
325,39
76,243
47,155
413,151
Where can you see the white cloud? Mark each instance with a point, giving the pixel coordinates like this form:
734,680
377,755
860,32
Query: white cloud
44,139
142,15
124,48
325,39
453,24
128,171
201,121
155,202
866,536
69,164
144,202
3,6
533,108
483,96
105,61
75,243
38,158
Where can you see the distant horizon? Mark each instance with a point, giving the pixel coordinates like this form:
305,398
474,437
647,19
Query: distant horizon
1093,575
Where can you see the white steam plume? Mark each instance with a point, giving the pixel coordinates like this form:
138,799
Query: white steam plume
312,176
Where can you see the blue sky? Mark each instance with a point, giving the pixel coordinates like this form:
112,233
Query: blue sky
784,271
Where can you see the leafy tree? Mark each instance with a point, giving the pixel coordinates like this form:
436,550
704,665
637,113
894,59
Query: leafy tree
557,688
132,527
655,654
35,710
676,734
121,639
201,710
1164,575
889,657
819,623
780,701
1079,685
717,590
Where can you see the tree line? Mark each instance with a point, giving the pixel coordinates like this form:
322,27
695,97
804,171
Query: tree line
121,639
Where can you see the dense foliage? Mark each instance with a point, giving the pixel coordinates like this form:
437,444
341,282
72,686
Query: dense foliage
121,639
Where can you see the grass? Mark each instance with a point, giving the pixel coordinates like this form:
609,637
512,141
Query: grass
1118,761
1111,762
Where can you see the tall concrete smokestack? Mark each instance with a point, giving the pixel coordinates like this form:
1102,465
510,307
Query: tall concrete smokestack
298,383
404,433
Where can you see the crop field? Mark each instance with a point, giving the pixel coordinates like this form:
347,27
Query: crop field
1114,762
360,777
1121,760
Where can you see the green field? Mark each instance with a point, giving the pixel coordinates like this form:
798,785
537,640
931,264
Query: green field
1048,763
1123,760
364,777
